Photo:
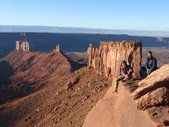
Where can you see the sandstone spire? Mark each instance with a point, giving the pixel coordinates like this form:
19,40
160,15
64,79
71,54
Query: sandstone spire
57,48
17,45
22,45
89,53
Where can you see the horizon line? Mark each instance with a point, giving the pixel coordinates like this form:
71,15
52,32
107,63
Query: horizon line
84,30
81,27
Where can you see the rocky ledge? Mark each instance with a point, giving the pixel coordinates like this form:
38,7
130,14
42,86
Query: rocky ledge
142,103
152,95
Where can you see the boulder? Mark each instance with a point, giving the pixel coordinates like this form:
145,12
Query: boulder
152,95
157,79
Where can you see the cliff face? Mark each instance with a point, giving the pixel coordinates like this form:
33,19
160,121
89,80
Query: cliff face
108,56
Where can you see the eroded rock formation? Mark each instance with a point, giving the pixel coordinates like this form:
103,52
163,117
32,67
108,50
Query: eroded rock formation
57,48
108,56
22,45
159,96
17,45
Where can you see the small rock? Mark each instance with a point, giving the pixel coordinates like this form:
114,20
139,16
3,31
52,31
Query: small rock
37,110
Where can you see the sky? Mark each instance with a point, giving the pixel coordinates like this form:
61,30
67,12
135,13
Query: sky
107,14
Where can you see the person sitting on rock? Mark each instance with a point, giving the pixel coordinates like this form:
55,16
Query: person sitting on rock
149,67
126,72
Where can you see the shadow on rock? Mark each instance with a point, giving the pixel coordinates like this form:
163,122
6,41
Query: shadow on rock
6,72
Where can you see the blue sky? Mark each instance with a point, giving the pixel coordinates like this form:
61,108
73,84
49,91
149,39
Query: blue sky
111,14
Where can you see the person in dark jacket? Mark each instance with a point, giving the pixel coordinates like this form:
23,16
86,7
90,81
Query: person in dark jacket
125,73
149,67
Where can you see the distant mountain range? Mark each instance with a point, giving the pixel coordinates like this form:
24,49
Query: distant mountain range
70,42
54,29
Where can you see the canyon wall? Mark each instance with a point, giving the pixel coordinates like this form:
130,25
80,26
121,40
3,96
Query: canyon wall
107,58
